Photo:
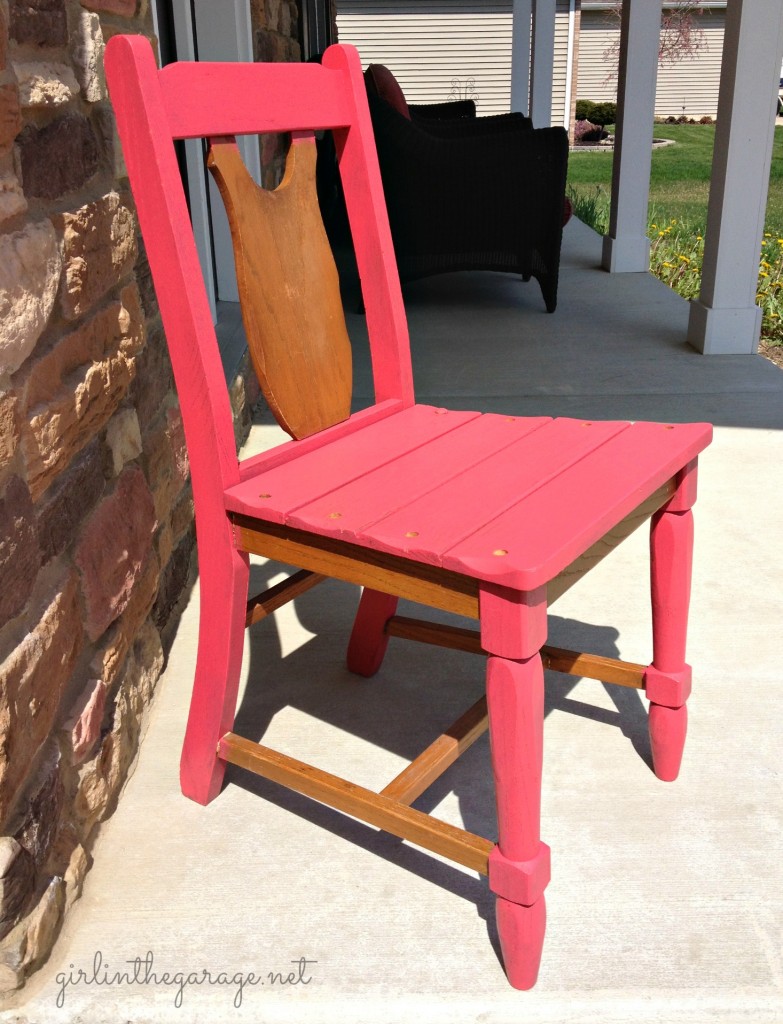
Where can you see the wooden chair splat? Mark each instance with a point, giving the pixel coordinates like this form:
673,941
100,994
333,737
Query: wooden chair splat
289,289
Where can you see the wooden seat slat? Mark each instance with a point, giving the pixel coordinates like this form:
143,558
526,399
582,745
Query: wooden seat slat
551,527
462,505
319,472
424,470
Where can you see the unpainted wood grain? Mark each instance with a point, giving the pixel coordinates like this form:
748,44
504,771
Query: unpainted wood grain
439,755
288,288
270,600
438,836
558,659
426,584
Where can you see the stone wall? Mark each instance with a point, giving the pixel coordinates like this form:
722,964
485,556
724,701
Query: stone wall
95,512
276,38
96,517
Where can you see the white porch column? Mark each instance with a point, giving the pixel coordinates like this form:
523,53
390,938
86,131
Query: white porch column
542,62
626,246
725,317
520,55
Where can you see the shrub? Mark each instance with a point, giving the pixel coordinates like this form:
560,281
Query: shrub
583,109
586,131
604,113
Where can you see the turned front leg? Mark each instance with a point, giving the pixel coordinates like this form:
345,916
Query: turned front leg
668,679
513,628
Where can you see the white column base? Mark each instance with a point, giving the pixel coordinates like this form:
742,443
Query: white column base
626,255
724,331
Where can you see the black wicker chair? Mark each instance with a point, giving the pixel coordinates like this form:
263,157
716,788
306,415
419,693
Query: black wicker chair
471,193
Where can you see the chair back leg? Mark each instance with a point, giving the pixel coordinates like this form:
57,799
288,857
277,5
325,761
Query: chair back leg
369,640
223,581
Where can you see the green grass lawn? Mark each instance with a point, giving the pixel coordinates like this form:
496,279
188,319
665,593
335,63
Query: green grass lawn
677,214
680,176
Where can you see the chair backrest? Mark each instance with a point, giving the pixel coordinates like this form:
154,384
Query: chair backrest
287,280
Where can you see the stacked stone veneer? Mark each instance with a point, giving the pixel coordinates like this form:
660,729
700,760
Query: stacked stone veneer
275,38
96,525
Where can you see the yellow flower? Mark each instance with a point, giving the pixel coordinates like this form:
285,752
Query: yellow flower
699,238
763,274
668,264
673,220
661,234
763,243
684,259
780,241
654,227
774,316
767,234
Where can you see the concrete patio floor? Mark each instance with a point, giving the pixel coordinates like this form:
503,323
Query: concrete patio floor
666,900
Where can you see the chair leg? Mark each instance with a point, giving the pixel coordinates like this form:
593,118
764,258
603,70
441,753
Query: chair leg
368,642
223,573
668,680
519,864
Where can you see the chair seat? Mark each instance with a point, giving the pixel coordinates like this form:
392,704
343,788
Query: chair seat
504,499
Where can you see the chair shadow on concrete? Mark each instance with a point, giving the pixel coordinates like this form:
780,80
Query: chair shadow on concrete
419,691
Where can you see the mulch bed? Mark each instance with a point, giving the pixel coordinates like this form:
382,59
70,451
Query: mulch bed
772,352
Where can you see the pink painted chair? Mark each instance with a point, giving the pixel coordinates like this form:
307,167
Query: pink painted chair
483,515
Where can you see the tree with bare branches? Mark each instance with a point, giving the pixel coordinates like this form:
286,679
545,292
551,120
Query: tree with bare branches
682,36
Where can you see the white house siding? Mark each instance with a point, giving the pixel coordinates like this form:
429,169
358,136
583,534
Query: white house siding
560,111
437,49
689,87
447,49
